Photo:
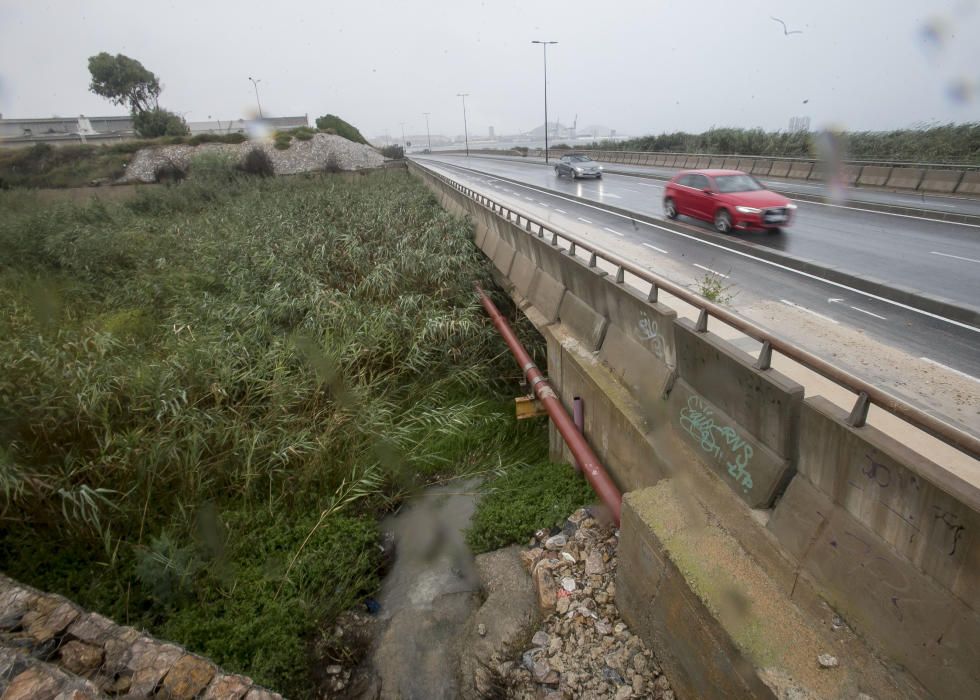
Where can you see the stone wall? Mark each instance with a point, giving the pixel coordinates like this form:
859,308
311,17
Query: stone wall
51,649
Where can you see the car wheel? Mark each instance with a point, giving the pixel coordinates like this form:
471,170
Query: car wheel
775,230
723,221
557,172
599,176
670,209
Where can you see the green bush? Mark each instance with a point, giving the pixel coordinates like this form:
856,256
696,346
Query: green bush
394,151
334,124
159,122
303,133
523,501
257,162
282,140
198,139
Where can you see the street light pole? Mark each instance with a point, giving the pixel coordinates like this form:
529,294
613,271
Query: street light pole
255,84
544,46
466,133
428,136
403,133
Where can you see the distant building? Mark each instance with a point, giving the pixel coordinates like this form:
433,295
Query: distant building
18,132
82,129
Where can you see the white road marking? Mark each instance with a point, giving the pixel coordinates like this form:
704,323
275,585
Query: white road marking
609,194
530,199
659,250
543,204
868,312
606,228
950,369
585,220
809,311
762,261
958,257
708,269
560,211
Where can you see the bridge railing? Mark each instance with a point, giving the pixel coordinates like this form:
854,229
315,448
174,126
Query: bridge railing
866,393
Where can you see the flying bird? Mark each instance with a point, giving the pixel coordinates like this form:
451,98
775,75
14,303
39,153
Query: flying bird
786,31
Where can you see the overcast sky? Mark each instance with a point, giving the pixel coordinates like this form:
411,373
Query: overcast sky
639,66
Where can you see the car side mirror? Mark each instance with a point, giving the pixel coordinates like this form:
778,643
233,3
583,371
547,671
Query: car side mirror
707,190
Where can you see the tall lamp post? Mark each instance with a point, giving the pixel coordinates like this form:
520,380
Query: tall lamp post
403,133
544,46
255,84
428,136
466,133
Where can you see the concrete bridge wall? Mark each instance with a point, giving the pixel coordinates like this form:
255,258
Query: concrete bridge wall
827,513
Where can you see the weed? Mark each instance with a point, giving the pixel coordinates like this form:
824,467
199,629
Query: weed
525,499
713,287
258,162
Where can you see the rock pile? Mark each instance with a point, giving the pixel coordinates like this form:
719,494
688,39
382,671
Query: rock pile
582,649
300,157
50,648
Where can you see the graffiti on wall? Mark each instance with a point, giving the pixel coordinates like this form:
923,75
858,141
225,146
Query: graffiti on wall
721,442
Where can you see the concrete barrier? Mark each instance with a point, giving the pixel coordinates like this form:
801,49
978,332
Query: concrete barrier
970,184
761,166
792,506
905,178
702,162
729,164
874,175
716,163
780,168
660,160
800,170
690,162
943,181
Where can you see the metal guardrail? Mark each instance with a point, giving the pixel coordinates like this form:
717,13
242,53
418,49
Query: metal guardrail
867,394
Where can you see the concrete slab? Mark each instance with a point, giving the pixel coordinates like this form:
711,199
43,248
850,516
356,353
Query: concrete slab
874,175
545,293
703,162
944,181
641,371
970,184
761,166
582,321
765,404
716,163
800,170
730,164
905,178
780,168
751,469
917,506
521,274
503,257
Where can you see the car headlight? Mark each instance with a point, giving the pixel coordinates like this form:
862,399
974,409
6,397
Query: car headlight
600,167
578,170
791,206
748,210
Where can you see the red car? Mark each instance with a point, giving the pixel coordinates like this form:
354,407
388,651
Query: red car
729,198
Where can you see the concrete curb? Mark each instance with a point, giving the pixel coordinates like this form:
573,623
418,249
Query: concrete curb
903,295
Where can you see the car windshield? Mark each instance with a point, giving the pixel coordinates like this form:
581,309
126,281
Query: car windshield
579,159
737,183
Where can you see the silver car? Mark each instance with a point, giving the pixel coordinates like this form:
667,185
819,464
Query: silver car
577,165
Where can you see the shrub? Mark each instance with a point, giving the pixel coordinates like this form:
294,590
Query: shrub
198,139
340,127
213,167
169,173
303,133
282,140
159,122
394,151
258,162
332,165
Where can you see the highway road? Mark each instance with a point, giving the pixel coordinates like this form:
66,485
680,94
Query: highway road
929,360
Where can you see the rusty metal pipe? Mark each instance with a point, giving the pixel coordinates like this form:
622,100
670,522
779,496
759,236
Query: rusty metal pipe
586,459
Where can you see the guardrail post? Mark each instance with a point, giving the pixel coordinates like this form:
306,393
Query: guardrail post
571,249
859,414
592,260
654,291
702,325
554,238
528,226
765,356
620,274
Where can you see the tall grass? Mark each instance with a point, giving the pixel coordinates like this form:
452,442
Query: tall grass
211,390
955,143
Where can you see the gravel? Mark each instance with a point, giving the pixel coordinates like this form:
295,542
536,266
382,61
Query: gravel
300,157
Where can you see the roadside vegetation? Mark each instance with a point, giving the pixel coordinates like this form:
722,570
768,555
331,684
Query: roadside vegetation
212,391
954,143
